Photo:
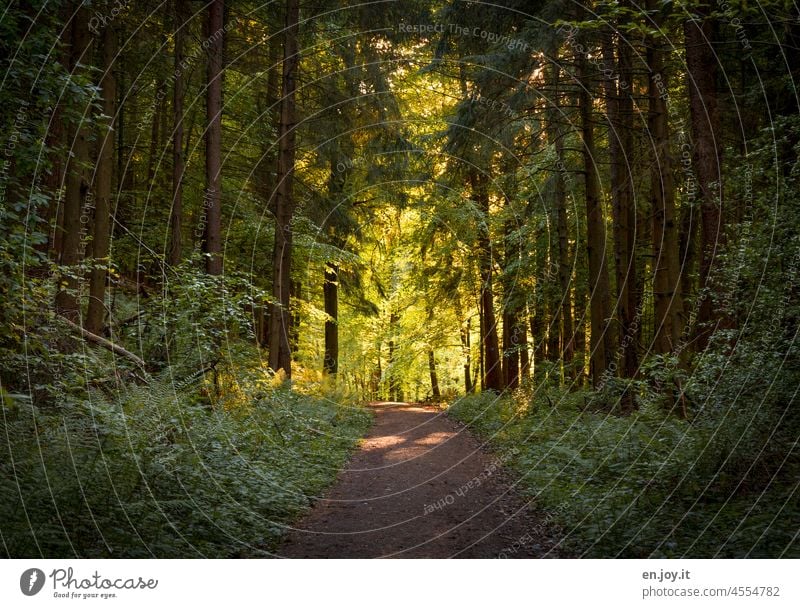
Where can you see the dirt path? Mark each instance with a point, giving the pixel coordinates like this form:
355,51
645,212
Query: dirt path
420,486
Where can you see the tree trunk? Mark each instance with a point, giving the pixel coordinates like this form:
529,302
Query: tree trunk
101,237
620,150
54,181
437,395
394,389
152,154
600,348
564,269
280,352
630,313
580,329
212,238
265,173
76,187
295,293
667,305
556,136
553,333
330,288
467,352
701,68
178,92
379,373
493,371
524,356
481,374
511,309
510,349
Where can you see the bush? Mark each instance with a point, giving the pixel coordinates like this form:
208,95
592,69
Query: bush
155,472
645,485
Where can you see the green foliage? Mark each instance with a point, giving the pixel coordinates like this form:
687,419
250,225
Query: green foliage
153,472
646,485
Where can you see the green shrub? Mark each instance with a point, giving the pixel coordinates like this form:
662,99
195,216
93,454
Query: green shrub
645,485
153,472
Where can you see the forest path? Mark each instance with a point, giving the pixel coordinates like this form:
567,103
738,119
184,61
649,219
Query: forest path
420,486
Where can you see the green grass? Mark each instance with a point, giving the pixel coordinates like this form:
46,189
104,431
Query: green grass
645,485
149,472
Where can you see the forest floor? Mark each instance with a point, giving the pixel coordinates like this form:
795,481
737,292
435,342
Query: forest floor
421,486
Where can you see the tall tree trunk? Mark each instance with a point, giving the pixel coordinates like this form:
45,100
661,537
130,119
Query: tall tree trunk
101,237
556,136
630,314
178,92
564,268
125,177
394,389
667,304
280,352
580,296
510,349
155,120
511,308
620,150
524,355
271,115
701,64
54,180
481,374
538,332
553,331
599,305
466,348
437,395
76,187
493,371
212,238
379,373
330,288
265,172
336,185
295,293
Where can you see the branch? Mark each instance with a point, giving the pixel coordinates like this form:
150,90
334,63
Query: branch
107,344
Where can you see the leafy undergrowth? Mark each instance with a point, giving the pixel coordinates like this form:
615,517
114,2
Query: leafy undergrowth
158,471
648,484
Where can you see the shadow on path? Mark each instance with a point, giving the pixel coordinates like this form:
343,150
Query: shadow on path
420,486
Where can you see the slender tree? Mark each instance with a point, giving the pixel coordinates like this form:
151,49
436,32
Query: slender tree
178,93
667,304
701,75
435,391
619,112
77,186
212,238
493,371
599,305
101,234
280,352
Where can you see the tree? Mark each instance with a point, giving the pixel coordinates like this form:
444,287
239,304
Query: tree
667,303
599,305
77,184
212,238
492,368
556,134
101,234
178,167
280,356
619,107
701,75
